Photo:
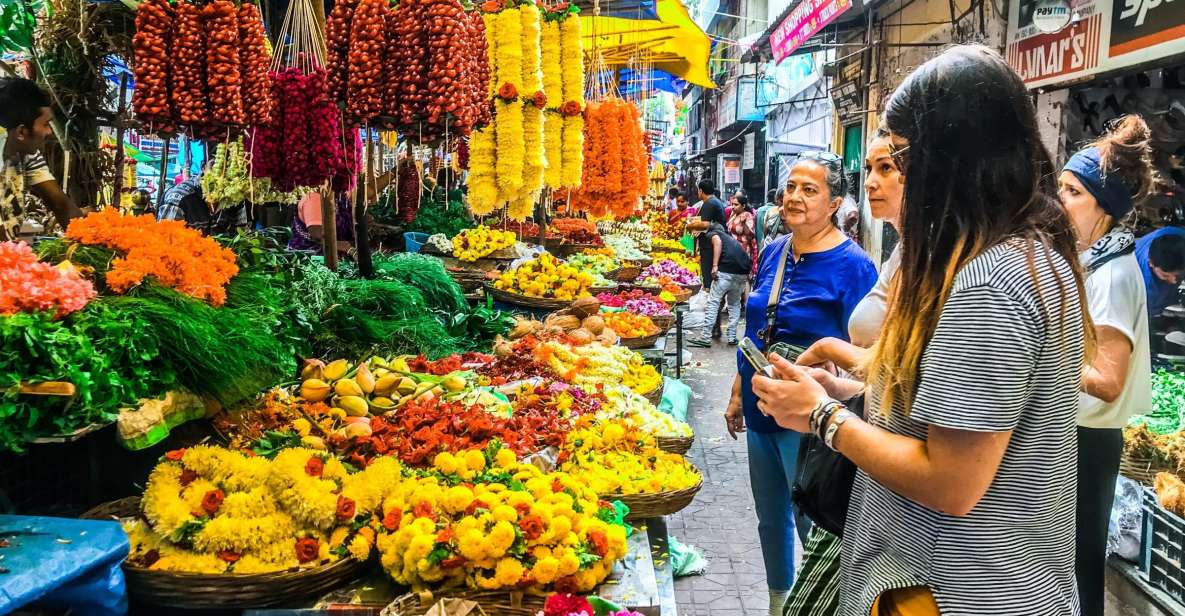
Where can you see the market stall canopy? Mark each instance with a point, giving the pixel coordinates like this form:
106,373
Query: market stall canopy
673,44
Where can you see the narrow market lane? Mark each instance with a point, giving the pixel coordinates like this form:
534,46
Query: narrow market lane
721,521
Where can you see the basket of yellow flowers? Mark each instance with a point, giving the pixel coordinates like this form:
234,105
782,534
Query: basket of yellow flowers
543,282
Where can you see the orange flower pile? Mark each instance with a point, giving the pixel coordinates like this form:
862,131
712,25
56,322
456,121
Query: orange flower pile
177,256
616,161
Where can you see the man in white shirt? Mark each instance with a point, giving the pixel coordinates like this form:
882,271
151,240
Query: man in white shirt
25,115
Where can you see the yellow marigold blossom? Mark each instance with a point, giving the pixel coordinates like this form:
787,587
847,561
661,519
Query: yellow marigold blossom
505,513
242,535
446,463
505,458
231,470
162,503
457,499
475,460
256,503
500,539
509,572
472,545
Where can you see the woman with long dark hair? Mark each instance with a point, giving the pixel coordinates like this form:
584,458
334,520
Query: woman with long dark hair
1099,187
963,503
741,226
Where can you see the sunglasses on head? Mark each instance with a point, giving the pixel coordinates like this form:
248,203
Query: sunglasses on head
822,156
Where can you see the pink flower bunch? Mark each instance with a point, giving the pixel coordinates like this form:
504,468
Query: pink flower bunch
647,307
666,267
28,285
565,604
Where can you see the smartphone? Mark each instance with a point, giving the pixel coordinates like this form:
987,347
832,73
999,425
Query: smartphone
756,358
789,351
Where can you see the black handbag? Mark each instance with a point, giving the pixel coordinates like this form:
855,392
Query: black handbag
823,479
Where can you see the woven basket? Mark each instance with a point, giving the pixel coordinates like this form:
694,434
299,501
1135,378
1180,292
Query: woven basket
492,602
683,295
644,342
628,273
598,290
681,251
694,288
656,504
664,322
1141,469
675,444
654,395
527,302
222,591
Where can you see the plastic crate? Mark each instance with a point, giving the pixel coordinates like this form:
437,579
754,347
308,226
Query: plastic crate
1161,548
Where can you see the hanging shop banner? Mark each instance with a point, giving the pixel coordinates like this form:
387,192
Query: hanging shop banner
1100,36
803,22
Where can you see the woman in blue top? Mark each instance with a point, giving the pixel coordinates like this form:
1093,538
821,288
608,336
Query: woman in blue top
826,275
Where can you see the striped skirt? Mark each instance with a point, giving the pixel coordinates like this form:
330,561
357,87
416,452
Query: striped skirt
816,587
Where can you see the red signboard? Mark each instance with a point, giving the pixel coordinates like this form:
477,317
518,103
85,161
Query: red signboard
1073,50
803,22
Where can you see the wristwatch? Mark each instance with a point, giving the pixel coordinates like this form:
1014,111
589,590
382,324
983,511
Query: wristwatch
839,420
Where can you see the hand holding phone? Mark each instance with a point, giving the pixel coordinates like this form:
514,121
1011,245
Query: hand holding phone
756,358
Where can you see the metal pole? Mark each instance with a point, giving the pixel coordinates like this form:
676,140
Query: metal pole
164,169
361,227
117,185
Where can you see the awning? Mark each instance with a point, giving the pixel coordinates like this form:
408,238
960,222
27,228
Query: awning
673,44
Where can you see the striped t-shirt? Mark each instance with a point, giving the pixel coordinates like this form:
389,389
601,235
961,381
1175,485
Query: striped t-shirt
1006,356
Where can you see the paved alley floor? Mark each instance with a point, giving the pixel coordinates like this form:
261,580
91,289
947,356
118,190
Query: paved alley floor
721,521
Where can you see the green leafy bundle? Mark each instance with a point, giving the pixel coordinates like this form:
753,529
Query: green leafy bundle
438,215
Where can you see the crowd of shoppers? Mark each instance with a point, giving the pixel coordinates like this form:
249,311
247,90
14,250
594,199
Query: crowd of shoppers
977,385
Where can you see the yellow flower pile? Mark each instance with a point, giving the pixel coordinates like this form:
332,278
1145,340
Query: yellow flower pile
596,364
473,244
483,520
213,510
546,276
622,403
664,242
613,457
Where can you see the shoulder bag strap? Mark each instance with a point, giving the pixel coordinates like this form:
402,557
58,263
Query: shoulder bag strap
775,292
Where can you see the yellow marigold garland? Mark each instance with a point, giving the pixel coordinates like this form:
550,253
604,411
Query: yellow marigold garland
483,187
572,69
553,89
532,95
508,111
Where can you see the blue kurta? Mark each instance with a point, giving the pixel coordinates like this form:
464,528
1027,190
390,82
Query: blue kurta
819,292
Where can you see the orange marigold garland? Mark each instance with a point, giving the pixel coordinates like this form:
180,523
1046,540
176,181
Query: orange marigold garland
177,256
616,161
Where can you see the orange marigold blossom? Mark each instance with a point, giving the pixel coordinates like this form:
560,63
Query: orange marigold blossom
176,255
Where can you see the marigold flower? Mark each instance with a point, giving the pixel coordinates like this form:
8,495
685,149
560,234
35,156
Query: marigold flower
307,550
392,519
491,6
532,526
570,108
599,543
444,536
211,501
423,509
539,99
475,505
175,455
187,477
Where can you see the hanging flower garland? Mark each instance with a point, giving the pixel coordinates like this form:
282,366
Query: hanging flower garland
572,69
483,187
615,169
534,100
508,113
553,90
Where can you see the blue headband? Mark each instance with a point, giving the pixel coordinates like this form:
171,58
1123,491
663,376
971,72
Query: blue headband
1112,193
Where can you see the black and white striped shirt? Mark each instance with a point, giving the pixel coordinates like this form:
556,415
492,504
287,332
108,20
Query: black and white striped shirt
1007,355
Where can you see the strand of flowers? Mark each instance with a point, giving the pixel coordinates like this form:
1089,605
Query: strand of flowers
533,102
553,90
483,187
508,113
572,69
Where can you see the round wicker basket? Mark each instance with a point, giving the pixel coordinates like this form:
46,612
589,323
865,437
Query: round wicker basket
1141,469
664,322
675,444
527,302
492,602
644,342
656,504
222,591
654,395
597,290
683,295
628,273
694,288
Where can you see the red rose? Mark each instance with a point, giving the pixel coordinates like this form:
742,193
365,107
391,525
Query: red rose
345,509
229,556
508,91
307,550
175,454
187,477
539,99
570,108
599,542
452,563
212,500
475,505
445,535
556,486
314,467
564,602
522,508
392,519
532,526
423,510
491,6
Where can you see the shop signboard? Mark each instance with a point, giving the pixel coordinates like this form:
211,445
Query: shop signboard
803,22
749,153
1099,36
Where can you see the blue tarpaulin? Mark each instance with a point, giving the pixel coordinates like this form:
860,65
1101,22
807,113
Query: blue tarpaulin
62,564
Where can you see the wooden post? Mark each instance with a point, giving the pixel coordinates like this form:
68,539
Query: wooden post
164,170
121,110
329,227
361,227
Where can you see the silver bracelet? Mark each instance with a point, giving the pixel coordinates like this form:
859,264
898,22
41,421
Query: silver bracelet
824,409
840,417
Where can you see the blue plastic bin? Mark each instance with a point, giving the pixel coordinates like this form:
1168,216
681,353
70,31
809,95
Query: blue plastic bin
414,241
